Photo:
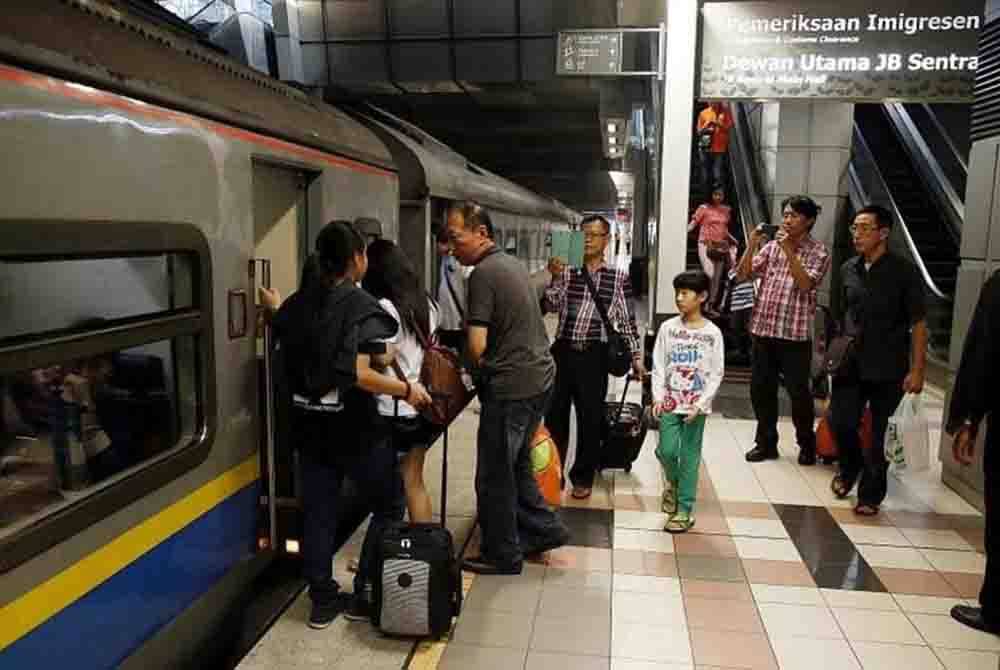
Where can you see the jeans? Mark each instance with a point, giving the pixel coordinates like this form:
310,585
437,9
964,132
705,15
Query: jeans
712,168
581,380
850,396
513,516
372,467
679,453
794,361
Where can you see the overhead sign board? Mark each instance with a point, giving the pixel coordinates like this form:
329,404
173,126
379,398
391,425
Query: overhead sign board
589,52
922,50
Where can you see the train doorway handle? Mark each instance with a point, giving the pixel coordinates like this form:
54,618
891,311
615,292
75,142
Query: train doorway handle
269,418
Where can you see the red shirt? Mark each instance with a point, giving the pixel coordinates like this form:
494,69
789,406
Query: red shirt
782,310
714,222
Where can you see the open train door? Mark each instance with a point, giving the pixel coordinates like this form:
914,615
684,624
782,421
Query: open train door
280,243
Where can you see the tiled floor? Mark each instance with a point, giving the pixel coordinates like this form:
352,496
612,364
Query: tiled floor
775,574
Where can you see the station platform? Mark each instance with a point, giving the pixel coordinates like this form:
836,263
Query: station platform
776,573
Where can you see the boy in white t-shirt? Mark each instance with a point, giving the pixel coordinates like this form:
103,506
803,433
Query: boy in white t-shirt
688,365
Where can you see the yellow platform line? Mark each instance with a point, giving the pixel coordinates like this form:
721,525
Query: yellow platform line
31,610
428,653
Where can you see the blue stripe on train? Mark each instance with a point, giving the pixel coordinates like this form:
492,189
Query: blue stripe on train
102,628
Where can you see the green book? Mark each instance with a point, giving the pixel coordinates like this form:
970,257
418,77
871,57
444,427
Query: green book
567,245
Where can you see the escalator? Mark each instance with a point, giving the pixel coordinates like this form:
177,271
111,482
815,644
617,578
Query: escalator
904,159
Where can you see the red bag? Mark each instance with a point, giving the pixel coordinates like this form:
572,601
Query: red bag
547,466
826,444
441,374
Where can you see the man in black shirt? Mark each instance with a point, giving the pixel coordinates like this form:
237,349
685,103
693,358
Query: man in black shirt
973,399
882,306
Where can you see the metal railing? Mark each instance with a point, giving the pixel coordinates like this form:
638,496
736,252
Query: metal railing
746,171
927,164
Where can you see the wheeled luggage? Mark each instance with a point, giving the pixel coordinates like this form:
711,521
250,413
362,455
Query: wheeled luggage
624,433
418,577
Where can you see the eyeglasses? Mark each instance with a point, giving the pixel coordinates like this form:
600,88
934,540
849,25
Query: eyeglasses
591,236
855,229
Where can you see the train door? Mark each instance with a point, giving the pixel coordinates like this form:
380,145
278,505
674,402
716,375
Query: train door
280,213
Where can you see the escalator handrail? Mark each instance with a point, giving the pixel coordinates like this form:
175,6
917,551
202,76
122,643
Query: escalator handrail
956,155
927,165
746,175
863,196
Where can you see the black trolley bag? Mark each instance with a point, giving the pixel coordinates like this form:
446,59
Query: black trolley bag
624,432
417,588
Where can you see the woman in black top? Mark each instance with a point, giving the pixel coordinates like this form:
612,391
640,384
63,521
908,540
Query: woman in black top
331,334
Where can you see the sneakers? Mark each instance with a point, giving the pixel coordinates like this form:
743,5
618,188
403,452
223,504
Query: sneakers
323,614
357,608
482,566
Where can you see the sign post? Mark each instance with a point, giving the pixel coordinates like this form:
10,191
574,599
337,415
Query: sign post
851,50
598,53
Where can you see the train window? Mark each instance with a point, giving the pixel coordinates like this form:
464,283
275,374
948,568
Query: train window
106,372
75,425
510,242
50,295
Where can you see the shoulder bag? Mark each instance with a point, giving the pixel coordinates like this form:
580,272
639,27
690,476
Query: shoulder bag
441,374
619,356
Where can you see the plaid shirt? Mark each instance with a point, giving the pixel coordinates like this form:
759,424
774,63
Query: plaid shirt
781,310
579,320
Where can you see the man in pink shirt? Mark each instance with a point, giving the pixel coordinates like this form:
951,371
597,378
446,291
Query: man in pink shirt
790,268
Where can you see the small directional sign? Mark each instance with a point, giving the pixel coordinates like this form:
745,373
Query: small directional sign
589,52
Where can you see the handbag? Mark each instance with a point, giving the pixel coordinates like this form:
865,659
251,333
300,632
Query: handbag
619,355
717,250
705,137
441,374
839,356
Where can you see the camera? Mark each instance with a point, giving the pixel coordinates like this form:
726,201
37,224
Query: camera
769,230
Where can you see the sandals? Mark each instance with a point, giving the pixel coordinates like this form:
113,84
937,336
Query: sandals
668,502
581,492
679,523
864,509
841,487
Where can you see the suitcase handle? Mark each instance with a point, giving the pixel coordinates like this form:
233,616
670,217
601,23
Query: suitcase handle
621,405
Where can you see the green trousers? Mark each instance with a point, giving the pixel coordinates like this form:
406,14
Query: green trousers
679,453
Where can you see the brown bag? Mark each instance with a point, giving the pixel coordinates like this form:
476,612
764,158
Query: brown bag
839,356
441,374
717,251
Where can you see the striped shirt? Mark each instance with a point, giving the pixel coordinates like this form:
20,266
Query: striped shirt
741,296
579,320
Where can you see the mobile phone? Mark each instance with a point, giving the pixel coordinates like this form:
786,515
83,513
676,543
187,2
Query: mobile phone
770,230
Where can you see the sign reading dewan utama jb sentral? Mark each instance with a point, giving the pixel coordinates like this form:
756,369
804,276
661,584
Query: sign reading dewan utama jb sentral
841,49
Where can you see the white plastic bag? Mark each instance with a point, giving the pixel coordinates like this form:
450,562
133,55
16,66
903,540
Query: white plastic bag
907,438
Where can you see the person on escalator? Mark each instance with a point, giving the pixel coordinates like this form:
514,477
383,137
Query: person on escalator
714,124
716,247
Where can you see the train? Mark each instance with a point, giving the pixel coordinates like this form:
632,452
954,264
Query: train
149,185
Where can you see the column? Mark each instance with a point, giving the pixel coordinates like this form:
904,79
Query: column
806,147
675,152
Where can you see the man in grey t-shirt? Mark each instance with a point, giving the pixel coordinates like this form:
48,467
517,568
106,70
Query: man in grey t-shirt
508,346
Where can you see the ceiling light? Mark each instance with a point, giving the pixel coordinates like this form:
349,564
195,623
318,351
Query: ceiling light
612,140
612,128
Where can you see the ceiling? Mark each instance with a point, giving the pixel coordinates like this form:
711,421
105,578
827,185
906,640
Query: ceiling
480,76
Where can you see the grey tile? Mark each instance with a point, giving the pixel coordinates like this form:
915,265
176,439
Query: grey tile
562,603
565,578
504,596
463,657
493,629
543,660
710,568
582,635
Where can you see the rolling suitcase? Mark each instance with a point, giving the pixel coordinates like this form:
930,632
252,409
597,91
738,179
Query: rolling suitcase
417,588
625,431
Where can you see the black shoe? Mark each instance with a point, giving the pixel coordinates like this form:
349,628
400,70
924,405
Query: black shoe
481,566
973,618
559,540
758,454
357,608
323,614
807,457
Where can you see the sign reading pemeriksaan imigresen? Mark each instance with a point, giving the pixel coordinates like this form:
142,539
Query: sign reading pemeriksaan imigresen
921,50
